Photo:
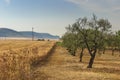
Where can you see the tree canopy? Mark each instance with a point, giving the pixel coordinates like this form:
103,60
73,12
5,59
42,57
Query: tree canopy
89,33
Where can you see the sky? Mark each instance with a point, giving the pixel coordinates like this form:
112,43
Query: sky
52,16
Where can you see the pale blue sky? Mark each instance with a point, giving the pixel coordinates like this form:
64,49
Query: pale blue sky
52,16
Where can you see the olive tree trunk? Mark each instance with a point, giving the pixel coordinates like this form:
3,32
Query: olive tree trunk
81,54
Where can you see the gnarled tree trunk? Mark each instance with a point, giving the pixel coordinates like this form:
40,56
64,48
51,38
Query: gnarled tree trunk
81,54
113,50
92,59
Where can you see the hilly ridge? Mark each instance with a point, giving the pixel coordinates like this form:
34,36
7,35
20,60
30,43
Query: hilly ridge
5,32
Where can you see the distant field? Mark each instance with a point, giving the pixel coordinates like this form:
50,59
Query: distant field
17,57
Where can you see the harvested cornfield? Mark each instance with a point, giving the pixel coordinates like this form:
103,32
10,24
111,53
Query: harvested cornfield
18,57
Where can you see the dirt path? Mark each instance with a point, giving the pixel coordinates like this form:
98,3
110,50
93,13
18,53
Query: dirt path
62,66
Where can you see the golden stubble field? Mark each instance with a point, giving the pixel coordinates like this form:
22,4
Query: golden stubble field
17,57
24,60
62,66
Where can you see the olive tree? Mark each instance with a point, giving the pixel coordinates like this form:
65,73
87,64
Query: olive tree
92,34
70,42
118,40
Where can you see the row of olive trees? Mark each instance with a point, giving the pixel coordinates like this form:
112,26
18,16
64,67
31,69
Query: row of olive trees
113,42
89,34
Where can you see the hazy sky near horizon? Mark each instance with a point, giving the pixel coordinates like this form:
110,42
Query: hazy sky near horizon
52,16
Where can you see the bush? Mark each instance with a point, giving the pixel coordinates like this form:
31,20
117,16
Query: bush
41,40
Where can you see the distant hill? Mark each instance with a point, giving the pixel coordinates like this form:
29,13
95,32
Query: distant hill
38,35
5,32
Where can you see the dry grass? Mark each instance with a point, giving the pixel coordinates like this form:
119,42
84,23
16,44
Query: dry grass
62,66
23,60
17,58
